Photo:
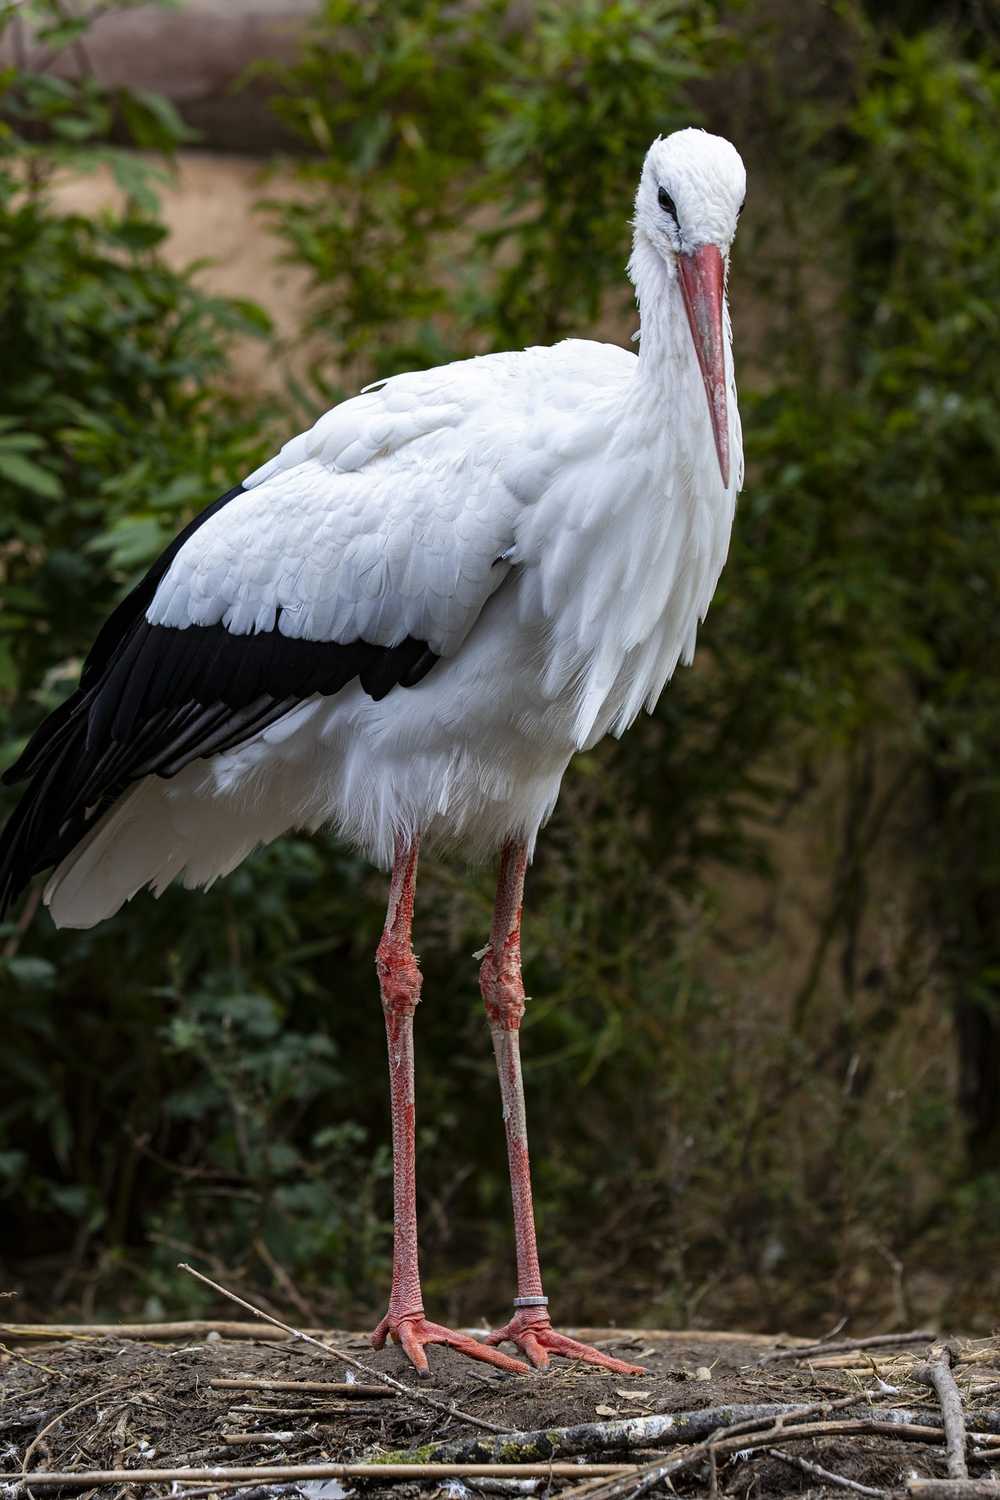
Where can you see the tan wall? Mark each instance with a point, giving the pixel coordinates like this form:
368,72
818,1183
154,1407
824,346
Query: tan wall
209,205
196,54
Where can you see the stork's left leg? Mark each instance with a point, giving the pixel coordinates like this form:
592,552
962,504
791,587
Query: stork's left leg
503,992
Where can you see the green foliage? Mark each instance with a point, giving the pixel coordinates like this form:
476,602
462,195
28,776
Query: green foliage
115,425
475,172
111,427
756,926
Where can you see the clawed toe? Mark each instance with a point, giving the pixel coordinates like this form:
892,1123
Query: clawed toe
414,1333
534,1336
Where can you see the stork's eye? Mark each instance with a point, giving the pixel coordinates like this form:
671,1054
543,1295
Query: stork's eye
667,204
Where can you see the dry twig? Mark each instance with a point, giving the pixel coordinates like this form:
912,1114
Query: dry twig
877,1341
826,1476
199,1328
323,1387
953,1489
903,1364
35,1363
627,1432
639,1481
247,1439
347,1359
937,1373
195,1328
268,1473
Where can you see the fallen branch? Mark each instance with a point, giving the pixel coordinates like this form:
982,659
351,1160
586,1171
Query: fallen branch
195,1328
247,1439
34,1363
325,1387
88,1478
483,1485
903,1364
347,1359
199,1328
673,1427
639,1481
937,1373
670,1336
953,1489
828,1476
845,1346
607,1437
323,1410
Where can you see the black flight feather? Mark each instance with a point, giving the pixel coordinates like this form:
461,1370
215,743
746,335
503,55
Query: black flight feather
153,698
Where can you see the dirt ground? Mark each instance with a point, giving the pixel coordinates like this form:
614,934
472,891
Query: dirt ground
110,1402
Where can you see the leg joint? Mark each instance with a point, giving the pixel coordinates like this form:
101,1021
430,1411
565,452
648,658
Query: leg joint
502,986
399,976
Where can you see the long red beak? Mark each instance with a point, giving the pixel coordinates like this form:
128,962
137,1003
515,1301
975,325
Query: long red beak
702,282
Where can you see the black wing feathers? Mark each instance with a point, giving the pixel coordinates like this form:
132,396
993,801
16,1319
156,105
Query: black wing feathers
153,698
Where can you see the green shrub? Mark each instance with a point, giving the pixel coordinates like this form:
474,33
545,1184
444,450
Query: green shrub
753,923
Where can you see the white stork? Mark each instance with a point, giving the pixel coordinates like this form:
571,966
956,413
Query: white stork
403,627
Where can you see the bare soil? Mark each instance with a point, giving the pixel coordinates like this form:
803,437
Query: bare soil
111,1402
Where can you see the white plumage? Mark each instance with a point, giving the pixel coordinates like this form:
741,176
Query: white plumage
404,626
551,523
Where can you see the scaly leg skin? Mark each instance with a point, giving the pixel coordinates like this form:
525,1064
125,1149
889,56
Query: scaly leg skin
399,984
503,993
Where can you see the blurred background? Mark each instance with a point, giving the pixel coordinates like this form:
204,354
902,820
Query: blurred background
763,934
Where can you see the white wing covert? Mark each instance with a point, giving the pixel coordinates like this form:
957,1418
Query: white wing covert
366,550
356,531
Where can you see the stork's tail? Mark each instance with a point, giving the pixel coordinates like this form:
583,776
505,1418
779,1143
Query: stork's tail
134,845
108,842
46,823
53,825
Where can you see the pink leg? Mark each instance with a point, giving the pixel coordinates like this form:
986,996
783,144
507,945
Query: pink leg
503,992
399,983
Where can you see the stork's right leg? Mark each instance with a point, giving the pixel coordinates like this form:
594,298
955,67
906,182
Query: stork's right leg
399,984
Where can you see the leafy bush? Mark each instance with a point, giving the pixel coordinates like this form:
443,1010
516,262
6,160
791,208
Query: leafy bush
474,173
753,922
115,424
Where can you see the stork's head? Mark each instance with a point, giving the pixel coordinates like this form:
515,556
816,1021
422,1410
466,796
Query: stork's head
686,209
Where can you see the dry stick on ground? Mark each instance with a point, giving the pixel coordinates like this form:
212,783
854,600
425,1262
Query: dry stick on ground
323,1387
626,1433
638,1481
877,1341
680,1427
200,1327
197,1328
321,1409
816,1471
87,1479
347,1359
34,1363
247,1439
952,1489
903,1364
937,1373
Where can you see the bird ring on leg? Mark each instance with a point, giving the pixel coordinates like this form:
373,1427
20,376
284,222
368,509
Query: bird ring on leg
531,1301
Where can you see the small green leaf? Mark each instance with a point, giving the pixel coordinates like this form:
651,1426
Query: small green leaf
28,475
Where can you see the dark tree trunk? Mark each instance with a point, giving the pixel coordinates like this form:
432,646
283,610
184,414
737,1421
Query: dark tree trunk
977,1033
